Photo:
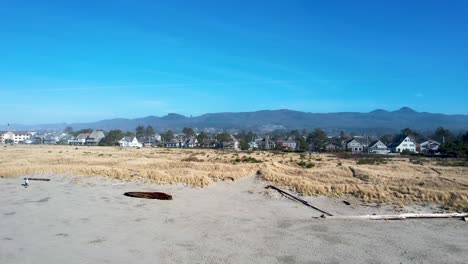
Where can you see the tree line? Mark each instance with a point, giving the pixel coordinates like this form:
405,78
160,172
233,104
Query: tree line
451,144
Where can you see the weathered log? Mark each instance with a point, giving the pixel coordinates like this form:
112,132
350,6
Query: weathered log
149,195
37,179
228,178
296,198
399,217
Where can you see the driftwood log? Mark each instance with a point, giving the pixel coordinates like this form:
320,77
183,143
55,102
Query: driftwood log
228,178
36,179
149,195
399,217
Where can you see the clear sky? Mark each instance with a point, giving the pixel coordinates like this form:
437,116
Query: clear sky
79,61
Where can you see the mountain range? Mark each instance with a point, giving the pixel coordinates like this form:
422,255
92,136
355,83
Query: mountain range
375,122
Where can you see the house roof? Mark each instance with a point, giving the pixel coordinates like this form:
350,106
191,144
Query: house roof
358,140
128,139
83,136
96,134
375,142
399,140
430,141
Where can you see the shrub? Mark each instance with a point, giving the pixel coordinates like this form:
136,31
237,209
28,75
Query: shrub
306,165
371,161
192,159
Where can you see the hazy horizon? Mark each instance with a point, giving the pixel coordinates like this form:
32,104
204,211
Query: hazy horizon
87,61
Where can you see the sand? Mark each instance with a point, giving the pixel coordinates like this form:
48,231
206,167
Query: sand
88,220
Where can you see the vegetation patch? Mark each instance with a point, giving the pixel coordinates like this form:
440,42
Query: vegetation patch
371,161
247,160
306,165
453,163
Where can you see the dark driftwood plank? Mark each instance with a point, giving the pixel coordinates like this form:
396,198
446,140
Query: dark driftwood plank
149,195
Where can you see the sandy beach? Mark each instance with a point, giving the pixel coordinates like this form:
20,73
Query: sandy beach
88,220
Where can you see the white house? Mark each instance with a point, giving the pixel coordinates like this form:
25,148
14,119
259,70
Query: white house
14,136
130,142
80,139
287,144
403,143
253,145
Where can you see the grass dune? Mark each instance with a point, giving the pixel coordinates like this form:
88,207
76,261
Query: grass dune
395,181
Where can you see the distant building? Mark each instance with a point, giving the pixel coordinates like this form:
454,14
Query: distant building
95,137
403,143
378,147
50,139
232,144
80,139
190,142
286,144
173,143
130,142
253,145
355,146
14,137
428,147
266,143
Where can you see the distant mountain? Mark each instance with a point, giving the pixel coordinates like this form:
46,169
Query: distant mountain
376,122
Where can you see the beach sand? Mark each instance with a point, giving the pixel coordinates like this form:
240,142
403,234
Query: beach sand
88,220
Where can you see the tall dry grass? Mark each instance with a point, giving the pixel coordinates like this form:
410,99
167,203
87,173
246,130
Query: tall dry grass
398,181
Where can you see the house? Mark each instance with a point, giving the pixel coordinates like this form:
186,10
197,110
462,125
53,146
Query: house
6,137
266,143
253,145
286,144
38,138
95,137
173,143
355,145
157,137
233,144
14,137
80,139
50,139
378,147
403,143
290,144
190,143
428,147
65,139
130,142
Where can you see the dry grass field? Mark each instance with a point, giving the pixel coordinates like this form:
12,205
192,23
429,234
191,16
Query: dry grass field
398,181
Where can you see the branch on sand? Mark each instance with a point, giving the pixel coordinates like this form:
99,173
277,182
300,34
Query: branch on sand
399,217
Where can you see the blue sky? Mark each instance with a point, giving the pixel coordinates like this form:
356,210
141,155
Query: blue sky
78,61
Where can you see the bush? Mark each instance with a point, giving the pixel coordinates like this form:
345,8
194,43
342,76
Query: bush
306,165
192,159
417,161
453,163
245,159
371,161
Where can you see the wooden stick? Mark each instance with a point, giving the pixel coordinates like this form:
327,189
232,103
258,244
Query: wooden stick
400,216
297,199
